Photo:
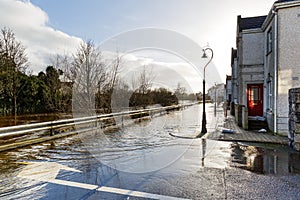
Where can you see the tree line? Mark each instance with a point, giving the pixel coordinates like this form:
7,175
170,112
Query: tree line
87,74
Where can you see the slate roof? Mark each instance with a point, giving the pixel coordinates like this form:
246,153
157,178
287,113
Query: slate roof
252,22
281,1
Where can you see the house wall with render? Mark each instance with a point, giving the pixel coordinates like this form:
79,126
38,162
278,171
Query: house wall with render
251,61
288,62
269,73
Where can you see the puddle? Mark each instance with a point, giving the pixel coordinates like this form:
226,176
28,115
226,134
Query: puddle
265,158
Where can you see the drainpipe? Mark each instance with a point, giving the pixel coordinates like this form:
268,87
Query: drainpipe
275,69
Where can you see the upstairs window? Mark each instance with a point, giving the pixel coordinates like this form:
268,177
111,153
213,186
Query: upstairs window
269,41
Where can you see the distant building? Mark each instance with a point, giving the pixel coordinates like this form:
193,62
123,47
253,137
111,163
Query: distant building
217,93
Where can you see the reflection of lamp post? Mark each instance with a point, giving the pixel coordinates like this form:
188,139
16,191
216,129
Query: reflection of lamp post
215,108
204,130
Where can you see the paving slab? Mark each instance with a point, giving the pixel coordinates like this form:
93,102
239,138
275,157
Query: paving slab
241,135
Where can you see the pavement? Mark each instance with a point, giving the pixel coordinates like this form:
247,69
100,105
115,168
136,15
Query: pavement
241,135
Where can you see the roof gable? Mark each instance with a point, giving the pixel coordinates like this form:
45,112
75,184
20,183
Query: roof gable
281,1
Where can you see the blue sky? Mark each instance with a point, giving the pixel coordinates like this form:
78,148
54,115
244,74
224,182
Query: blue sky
57,26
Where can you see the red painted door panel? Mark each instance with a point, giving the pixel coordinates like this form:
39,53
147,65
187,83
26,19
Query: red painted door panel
255,99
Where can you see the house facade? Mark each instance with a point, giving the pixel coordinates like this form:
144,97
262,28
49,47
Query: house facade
266,64
282,61
248,69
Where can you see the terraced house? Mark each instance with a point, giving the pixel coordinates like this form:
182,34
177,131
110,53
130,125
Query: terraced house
266,65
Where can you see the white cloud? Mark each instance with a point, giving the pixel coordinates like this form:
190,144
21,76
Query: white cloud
29,23
166,74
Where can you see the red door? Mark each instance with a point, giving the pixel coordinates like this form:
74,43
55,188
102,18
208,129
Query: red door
255,99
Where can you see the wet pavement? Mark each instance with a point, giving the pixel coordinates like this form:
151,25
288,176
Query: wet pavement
170,169
265,158
241,135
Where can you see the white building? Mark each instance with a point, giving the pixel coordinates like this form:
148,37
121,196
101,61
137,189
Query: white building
217,93
267,64
281,61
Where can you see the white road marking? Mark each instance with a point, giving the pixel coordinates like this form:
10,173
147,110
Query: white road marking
136,193
47,172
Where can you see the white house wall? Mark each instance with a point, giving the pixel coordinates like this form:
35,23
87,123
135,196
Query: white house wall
269,71
288,61
252,65
253,50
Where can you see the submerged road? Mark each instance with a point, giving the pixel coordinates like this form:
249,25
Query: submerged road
144,161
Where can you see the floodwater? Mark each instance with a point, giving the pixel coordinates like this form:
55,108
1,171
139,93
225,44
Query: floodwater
265,158
121,158
132,158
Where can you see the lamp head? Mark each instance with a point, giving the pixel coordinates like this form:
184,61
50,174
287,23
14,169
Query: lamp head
204,54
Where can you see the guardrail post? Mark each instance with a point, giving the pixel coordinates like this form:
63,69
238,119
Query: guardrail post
51,131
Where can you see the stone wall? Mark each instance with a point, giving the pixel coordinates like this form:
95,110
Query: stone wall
294,118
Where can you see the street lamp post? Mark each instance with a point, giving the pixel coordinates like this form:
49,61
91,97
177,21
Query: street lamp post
204,130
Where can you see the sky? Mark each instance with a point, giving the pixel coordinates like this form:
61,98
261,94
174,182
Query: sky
49,27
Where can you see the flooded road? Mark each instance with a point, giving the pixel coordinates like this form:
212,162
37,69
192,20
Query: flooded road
142,161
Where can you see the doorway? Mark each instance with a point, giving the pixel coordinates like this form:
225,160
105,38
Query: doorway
255,99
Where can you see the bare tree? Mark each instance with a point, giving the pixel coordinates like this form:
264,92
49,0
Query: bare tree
89,72
180,92
143,82
15,62
64,63
110,82
93,76
142,86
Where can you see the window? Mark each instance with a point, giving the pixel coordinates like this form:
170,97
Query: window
255,95
270,96
269,41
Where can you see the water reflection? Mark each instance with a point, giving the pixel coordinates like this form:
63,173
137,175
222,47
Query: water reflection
265,159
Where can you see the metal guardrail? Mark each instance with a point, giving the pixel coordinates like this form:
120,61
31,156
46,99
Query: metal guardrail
54,125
